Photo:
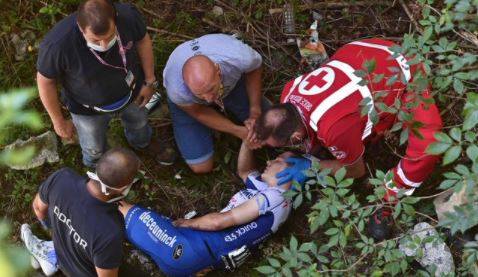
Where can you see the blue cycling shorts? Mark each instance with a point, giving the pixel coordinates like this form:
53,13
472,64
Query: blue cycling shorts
183,251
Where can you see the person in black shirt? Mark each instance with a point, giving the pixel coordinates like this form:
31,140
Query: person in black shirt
103,58
87,228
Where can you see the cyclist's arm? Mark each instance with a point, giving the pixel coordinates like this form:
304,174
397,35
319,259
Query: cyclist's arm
244,213
246,163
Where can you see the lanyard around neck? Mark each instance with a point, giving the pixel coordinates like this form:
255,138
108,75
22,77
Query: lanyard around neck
122,52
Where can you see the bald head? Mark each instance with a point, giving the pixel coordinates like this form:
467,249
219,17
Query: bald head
117,167
200,74
279,122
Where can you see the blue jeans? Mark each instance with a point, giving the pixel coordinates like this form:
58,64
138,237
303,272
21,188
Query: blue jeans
195,140
92,130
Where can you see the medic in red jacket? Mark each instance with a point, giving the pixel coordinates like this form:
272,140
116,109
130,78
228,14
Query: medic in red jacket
327,112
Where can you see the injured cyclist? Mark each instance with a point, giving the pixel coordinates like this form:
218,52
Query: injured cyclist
219,240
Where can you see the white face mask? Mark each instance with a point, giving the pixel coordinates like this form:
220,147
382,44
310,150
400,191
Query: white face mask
124,190
100,48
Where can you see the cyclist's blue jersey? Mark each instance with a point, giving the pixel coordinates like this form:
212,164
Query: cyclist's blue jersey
183,251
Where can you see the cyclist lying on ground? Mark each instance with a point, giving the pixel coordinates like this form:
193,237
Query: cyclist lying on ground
220,240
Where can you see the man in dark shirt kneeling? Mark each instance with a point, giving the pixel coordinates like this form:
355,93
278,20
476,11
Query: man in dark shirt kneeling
87,228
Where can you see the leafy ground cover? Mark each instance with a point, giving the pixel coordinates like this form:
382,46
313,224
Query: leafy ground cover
174,191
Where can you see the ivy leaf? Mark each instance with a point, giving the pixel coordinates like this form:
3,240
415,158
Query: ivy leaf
274,262
370,65
471,120
340,174
442,137
266,269
455,133
472,152
403,136
298,200
451,154
331,231
293,244
458,86
377,78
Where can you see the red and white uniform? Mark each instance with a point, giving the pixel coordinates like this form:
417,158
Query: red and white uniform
329,97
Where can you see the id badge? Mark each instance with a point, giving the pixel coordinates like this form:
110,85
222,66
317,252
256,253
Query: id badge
130,79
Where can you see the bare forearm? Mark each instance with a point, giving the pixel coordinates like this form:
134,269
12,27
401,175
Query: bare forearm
49,97
39,208
145,52
214,120
210,222
245,162
254,89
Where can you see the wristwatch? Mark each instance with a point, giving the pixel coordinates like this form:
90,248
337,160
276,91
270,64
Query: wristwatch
153,84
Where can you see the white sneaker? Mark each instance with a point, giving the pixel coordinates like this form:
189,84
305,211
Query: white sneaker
42,251
34,263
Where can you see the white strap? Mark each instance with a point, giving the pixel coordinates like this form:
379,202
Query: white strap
404,178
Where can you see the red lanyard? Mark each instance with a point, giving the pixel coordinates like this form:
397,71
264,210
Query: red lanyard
122,53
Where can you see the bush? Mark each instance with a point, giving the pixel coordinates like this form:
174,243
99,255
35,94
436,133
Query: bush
446,46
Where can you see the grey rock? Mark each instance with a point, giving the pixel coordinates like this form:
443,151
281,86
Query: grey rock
428,249
217,11
45,150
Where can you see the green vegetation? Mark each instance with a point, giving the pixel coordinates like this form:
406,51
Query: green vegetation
331,240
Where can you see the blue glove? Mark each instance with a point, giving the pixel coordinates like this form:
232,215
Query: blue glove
295,170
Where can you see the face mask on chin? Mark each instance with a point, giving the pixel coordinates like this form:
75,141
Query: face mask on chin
100,48
104,188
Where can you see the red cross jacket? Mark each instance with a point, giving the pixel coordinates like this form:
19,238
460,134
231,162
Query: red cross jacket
329,98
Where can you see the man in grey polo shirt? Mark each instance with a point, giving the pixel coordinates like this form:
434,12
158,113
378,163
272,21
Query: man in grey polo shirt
207,80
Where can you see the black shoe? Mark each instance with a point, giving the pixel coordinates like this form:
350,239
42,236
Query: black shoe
380,225
164,155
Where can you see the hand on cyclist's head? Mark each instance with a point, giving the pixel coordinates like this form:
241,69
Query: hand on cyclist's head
274,167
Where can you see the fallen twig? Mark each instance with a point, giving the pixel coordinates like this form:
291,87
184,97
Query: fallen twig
330,5
161,31
410,15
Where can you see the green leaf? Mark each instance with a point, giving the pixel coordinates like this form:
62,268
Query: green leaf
458,86
472,153
471,119
293,244
274,262
442,137
451,154
427,33
298,200
333,240
437,148
370,65
340,174
403,136
360,73
408,209
392,80
332,231
266,269
378,78
455,133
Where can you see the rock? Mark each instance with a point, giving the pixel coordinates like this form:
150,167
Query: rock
428,249
446,202
45,150
22,44
217,11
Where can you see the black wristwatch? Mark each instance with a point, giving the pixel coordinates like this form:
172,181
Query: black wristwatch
153,85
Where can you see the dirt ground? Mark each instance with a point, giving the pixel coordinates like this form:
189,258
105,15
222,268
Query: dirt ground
174,190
